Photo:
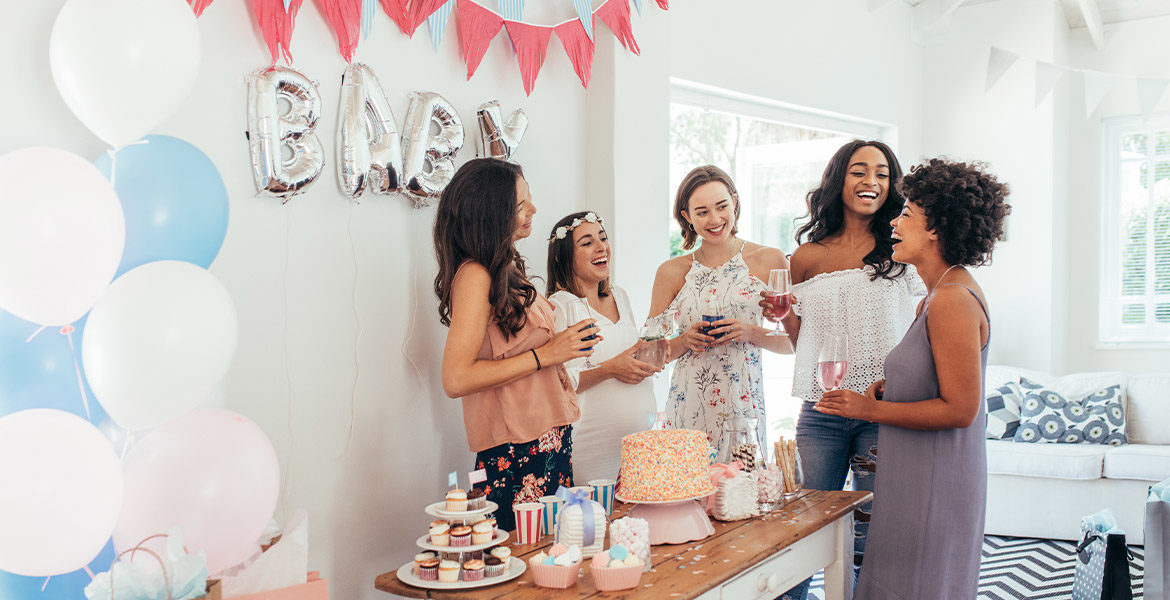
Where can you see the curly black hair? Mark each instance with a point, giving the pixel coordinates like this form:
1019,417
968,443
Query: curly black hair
964,205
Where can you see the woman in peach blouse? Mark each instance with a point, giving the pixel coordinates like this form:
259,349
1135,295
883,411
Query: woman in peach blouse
501,356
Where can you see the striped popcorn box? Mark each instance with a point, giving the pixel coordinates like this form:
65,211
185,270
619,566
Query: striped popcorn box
552,506
528,522
603,493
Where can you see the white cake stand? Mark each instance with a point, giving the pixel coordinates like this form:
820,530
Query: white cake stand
673,521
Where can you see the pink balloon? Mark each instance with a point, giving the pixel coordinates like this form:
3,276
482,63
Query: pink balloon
213,473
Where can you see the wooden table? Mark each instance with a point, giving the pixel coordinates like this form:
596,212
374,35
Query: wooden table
744,560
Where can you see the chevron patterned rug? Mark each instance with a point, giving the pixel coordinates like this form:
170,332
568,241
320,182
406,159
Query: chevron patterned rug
1026,569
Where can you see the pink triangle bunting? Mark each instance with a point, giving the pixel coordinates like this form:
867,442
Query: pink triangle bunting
616,14
396,10
579,48
477,27
198,6
664,4
345,16
420,10
276,25
531,42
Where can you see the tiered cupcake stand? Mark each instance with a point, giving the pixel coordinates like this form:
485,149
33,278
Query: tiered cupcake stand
673,521
515,568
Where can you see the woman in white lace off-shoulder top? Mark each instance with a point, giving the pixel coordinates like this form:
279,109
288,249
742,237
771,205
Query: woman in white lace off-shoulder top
845,281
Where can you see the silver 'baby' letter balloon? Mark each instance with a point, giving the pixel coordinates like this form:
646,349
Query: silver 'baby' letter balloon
369,147
271,130
496,138
421,148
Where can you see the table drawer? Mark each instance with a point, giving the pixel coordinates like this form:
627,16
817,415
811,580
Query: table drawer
778,573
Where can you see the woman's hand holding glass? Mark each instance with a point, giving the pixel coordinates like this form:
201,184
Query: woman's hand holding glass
627,369
850,404
725,331
695,338
573,342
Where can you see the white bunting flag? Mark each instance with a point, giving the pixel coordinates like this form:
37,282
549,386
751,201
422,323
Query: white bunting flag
997,64
1150,92
1097,85
876,5
1048,76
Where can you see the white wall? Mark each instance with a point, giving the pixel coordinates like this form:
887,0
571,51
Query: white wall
1005,128
1136,48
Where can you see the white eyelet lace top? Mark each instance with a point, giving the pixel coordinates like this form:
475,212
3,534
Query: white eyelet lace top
873,313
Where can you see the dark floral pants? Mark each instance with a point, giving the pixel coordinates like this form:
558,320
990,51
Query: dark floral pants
526,472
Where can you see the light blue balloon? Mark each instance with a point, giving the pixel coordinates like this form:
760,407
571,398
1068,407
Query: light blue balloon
69,586
174,200
42,372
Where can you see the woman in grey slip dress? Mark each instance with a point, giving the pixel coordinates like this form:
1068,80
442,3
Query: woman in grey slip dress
926,531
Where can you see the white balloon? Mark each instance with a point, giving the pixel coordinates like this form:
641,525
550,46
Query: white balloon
123,66
158,342
62,492
61,235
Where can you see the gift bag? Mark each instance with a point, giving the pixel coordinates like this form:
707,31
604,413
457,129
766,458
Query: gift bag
1157,576
1102,564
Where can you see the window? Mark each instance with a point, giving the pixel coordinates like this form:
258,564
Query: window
1135,249
775,153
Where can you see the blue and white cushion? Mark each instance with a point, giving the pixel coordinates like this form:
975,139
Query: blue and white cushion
1048,417
1003,412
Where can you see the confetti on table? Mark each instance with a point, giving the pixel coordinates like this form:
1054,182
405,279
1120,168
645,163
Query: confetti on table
696,572
675,595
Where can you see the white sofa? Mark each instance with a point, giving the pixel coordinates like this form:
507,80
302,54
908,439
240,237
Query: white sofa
1042,490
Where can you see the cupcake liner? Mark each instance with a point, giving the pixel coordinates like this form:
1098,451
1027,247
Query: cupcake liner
461,540
472,574
495,570
428,573
555,576
620,578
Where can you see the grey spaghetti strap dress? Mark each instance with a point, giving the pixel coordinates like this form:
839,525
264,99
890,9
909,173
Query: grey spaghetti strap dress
926,532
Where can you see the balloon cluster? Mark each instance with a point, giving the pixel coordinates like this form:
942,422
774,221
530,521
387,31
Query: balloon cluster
115,254
371,152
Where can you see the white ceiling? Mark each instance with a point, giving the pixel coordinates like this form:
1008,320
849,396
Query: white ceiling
1112,11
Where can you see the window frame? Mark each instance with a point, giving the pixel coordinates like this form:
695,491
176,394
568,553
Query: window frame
1111,333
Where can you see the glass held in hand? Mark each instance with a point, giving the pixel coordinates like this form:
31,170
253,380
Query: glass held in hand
832,361
652,351
779,298
579,311
712,312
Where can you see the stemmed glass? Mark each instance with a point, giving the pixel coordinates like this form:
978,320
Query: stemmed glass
779,297
579,310
833,361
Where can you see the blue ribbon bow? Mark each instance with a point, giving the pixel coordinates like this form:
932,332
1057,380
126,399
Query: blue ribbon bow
580,498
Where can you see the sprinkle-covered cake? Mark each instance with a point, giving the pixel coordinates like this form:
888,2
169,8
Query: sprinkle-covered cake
664,465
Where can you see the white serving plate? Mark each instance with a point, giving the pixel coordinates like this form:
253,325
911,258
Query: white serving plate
438,509
516,568
500,537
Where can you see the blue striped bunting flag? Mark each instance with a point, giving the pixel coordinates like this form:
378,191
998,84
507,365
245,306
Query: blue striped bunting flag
368,13
638,5
510,9
585,14
437,22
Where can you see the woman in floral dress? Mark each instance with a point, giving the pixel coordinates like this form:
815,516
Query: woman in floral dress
717,376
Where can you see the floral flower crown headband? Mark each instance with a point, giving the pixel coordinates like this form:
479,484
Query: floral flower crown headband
564,230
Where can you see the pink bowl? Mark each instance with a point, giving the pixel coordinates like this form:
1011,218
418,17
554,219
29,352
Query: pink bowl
621,578
555,576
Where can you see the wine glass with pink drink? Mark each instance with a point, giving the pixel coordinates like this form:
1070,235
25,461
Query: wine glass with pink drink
779,297
833,361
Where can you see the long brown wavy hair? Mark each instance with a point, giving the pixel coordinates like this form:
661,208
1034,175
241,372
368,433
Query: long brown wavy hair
475,222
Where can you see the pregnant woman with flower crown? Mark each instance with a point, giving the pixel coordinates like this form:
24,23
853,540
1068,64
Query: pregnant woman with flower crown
717,377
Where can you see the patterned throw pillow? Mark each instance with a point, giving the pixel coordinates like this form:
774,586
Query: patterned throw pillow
1003,412
1048,417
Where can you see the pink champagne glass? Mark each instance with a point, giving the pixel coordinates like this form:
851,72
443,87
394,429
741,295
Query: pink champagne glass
779,297
832,362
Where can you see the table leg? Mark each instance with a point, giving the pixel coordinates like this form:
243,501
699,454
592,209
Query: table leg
839,573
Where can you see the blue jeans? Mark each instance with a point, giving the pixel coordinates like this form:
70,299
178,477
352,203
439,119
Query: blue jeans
830,448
